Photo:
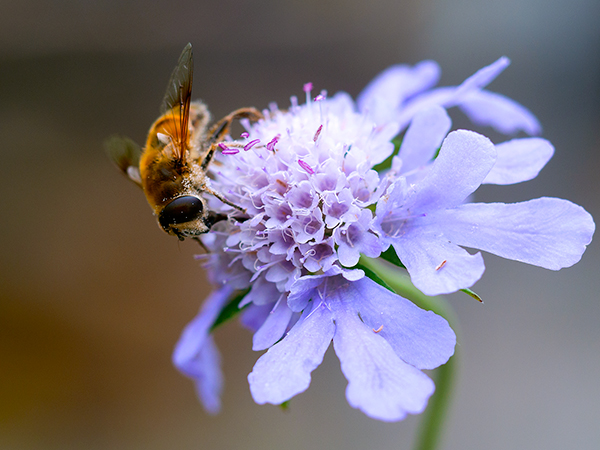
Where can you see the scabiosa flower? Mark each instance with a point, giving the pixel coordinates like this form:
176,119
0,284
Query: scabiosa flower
314,205
424,217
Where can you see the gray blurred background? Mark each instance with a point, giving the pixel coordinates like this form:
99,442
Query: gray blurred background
94,295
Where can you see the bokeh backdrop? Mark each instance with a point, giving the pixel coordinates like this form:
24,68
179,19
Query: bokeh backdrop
93,296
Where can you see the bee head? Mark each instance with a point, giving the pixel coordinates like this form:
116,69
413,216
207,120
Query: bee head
187,216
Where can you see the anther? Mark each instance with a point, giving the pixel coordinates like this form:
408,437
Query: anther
227,150
272,142
306,167
318,133
251,144
307,88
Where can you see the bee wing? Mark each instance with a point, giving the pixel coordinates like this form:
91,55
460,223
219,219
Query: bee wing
180,81
177,102
126,155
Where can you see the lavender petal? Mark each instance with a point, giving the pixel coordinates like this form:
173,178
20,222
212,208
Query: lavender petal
519,160
284,370
464,161
437,266
380,384
546,232
500,112
420,338
423,138
273,327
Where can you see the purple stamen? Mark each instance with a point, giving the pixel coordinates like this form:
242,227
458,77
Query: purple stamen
319,97
272,142
306,167
318,133
251,144
226,150
307,88
244,135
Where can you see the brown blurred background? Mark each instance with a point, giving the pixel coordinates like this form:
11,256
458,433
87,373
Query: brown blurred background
94,295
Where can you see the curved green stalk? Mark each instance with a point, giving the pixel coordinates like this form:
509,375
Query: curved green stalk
432,423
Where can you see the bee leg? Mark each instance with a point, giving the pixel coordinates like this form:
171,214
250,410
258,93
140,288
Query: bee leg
209,221
220,129
223,199
213,218
208,157
199,241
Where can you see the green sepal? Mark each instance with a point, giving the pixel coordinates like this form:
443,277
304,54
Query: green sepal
472,294
390,256
373,276
385,165
230,310
285,406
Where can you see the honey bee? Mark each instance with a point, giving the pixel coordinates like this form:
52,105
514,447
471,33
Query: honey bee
172,167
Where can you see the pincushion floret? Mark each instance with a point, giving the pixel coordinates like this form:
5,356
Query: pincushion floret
315,205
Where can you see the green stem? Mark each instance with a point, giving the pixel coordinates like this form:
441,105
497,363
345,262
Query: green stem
432,423
433,419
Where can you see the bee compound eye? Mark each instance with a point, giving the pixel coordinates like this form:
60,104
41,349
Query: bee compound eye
181,210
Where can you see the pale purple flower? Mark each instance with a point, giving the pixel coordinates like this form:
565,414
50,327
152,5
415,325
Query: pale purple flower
315,205
427,222
196,354
382,341
401,91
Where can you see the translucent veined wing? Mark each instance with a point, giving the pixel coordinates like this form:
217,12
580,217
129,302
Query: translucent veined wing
177,102
126,155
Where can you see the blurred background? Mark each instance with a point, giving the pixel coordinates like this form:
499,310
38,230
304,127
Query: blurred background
94,295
